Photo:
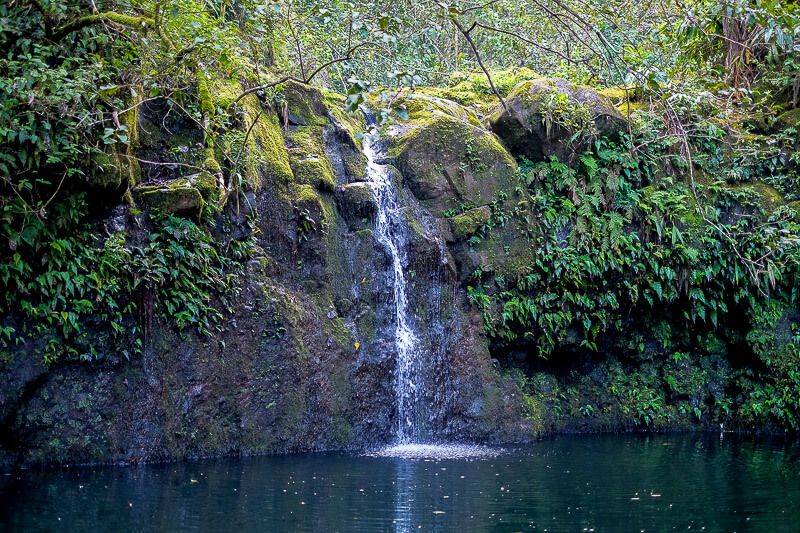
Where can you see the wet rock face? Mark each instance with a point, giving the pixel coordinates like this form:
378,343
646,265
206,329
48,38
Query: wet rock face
551,116
305,359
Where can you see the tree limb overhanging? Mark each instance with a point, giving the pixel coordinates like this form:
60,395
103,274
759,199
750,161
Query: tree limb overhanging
128,21
305,81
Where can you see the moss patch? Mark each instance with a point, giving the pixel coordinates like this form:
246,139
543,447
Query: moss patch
769,198
472,89
790,119
307,158
183,196
466,224
271,159
305,106
448,162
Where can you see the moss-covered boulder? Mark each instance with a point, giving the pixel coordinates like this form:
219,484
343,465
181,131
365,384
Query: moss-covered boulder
551,116
446,159
790,119
305,105
307,157
185,196
308,203
356,202
471,89
465,225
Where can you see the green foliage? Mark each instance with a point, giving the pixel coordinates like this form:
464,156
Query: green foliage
606,244
62,281
70,292
52,132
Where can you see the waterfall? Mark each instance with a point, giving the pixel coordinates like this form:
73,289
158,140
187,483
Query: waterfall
391,232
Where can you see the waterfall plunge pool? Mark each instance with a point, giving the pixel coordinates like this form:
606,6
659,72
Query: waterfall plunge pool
681,482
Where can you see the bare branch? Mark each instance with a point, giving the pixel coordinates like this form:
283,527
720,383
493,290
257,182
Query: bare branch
307,80
466,33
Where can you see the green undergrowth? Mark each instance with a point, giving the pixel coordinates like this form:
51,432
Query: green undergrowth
72,291
632,249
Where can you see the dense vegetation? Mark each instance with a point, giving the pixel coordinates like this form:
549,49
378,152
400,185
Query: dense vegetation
681,232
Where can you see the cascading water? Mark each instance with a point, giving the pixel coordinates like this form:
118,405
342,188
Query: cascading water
413,415
392,233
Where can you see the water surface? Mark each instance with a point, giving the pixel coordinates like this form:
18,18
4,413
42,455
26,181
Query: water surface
569,483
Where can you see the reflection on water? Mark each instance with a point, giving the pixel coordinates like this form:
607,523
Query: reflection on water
600,483
404,496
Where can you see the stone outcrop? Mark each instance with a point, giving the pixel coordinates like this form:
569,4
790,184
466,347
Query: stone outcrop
552,117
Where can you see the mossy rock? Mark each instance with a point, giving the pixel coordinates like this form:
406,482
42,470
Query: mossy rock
768,197
772,336
114,172
306,195
272,158
270,161
353,123
313,170
466,224
543,117
307,199
421,104
223,92
626,102
447,161
356,201
305,105
308,159
179,197
790,119
472,90
167,137
476,82
117,169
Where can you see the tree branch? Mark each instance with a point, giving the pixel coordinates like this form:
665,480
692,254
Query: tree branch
466,33
109,16
307,80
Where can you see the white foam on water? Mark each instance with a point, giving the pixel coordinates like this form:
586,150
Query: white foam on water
436,452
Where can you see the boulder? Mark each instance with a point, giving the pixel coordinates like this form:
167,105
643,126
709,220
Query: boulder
307,157
466,224
356,201
304,105
446,159
550,116
184,196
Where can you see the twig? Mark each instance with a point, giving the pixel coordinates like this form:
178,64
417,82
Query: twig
466,33
305,81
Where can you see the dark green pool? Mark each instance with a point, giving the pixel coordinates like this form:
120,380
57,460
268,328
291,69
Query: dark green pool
569,483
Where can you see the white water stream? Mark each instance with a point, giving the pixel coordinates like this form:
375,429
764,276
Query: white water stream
391,231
